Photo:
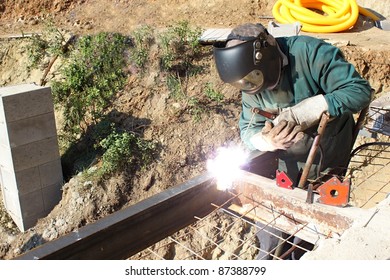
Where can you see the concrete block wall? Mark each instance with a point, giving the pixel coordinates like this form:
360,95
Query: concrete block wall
30,166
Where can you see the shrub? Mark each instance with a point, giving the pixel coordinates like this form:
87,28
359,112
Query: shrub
93,74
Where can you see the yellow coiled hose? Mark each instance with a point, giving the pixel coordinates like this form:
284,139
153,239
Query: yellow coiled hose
339,15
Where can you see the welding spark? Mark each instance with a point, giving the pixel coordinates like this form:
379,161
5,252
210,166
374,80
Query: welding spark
226,165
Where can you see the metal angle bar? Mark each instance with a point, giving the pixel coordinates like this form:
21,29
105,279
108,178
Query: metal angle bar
133,229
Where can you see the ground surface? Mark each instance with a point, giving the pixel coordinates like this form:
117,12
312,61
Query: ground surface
187,144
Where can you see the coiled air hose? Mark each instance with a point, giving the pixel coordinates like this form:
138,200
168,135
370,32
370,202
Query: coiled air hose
339,15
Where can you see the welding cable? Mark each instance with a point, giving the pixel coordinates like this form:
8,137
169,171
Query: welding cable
339,15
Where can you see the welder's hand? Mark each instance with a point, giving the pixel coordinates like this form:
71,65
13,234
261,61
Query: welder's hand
282,136
306,113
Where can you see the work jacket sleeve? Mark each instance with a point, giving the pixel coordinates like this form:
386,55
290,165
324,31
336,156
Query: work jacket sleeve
250,123
345,90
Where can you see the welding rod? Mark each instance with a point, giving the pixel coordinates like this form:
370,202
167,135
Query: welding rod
313,150
265,114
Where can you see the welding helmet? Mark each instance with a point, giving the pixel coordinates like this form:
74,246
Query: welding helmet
252,63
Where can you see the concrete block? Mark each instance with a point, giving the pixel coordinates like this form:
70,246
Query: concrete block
51,173
3,128
40,101
28,180
2,115
31,203
8,181
3,135
6,160
51,196
30,221
35,154
30,163
12,204
30,130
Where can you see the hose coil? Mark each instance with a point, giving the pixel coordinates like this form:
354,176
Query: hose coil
338,15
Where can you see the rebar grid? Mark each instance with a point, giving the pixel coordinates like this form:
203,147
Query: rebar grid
223,234
369,170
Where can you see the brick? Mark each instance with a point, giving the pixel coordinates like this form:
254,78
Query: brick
25,101
30,130
36,153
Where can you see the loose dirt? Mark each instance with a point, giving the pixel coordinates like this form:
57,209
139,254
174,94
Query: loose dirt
145,102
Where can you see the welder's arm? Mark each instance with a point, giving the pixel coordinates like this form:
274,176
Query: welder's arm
341,89
279,137
249,123
306,113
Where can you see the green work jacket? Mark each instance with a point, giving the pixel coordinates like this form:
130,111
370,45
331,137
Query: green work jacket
314,67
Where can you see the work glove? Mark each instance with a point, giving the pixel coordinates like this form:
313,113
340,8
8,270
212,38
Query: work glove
306,113
272,138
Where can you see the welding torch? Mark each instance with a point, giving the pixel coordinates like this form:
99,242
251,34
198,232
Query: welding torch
266,114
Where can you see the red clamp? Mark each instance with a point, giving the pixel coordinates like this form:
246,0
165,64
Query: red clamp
334,192
283,181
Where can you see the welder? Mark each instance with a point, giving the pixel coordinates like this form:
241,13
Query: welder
296,79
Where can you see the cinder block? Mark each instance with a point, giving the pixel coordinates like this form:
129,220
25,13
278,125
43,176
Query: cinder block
2,115
35,154
30,221
30,130
6,157
31,203
3,128
12,204
8,180
51,173
30,163
51,196
28,180
25,101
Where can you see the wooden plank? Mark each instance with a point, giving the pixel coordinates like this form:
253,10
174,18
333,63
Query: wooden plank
213,35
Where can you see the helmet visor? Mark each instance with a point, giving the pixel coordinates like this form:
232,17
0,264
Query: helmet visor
254,80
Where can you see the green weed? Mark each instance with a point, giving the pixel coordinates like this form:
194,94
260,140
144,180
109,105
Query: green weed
121,149
213,94
90,78
143,39
50,43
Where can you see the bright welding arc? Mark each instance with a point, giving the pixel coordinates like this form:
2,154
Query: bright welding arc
226,166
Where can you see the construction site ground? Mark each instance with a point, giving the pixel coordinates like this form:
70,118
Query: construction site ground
187,144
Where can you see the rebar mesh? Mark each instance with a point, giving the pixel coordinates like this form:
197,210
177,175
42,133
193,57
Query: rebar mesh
224,235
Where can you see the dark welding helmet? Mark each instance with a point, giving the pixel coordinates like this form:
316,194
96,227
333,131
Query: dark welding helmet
252,63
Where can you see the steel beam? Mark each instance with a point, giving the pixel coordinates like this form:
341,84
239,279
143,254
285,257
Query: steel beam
135,228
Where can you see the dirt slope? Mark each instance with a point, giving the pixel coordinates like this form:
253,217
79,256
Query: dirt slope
145,103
